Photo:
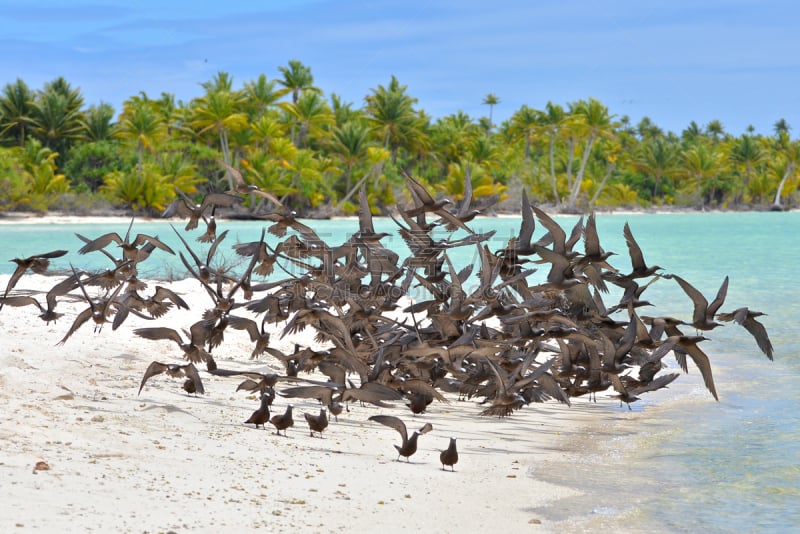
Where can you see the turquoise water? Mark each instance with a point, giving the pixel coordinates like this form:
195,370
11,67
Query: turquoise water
679,462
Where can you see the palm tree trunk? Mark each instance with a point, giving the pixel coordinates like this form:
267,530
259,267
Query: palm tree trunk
656,180
226,154
570,157
576,186
609,169
553,179
353,190
786,175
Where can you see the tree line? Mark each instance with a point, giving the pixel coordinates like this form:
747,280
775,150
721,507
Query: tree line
314,151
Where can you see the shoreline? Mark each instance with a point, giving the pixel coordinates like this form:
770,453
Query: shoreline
110,453
9,218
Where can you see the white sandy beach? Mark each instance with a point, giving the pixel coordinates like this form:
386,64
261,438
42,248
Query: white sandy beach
166,461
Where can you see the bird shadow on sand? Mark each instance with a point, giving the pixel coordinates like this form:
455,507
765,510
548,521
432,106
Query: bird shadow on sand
169,408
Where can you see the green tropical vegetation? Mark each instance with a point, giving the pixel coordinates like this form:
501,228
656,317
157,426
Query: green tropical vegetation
315,151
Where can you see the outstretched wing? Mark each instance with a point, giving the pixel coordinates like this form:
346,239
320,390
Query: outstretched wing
191,373
393,422
155,368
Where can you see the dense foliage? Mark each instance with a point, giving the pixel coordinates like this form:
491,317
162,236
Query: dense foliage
314,151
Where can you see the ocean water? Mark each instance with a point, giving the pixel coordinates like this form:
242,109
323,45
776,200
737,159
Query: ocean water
678,461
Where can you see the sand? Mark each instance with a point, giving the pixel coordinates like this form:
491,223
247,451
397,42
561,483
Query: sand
81,452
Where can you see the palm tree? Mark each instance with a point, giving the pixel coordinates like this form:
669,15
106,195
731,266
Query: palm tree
451,136
266,129
657,158
715,129
343,112
390,113
261,95
593,117
16,109
703,163
692,133
524,124
297,78
97,123
780,127
605,163
349,144
221,81
551,121
57,117
141,124
646,129
171,111
490,100
309,116
746,154
220,111
785,167
53,121
485,152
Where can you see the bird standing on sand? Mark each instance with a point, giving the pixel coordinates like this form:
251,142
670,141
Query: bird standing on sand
317,423
449,456
261,416
282,421
409,444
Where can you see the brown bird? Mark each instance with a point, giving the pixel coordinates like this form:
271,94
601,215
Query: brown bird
193,384
244,188
205,273
336,408
38,264
99,310
283,421
185,208
48,314
689,345
261,416
193,349
156,305
371,392
257,335
130,249
747,318
463,210
703,317
265,259
424,203
639,267
449,456
409,445
629,395
255,381
317,423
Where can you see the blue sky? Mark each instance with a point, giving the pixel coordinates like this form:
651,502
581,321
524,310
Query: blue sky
737,61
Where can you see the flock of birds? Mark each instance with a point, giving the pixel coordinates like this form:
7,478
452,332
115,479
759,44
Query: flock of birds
485,332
